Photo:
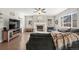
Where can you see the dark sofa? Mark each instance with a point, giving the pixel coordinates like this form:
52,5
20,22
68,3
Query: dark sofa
69,30
40,41
75,31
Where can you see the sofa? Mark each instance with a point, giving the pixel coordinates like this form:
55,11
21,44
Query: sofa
40,41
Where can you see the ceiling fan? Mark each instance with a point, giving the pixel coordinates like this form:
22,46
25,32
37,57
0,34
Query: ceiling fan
40,10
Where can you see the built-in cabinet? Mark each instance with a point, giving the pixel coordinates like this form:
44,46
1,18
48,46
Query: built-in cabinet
5,15
8,35
13,33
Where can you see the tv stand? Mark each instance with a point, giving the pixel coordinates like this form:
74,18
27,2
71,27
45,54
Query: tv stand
13,33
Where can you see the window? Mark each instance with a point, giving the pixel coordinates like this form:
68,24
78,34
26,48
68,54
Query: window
67,21
74,17
61,21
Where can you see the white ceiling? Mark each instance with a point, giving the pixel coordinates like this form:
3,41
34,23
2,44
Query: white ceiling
30,11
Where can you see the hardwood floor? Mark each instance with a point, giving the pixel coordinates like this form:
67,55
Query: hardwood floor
18,43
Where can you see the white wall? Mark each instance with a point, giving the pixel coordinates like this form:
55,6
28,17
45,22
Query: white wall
68,11
78,17
22,21
38,18
6,15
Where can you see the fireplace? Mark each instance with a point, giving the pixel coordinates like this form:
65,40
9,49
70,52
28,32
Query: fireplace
39,28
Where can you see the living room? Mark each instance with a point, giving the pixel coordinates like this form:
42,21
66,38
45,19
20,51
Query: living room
17,24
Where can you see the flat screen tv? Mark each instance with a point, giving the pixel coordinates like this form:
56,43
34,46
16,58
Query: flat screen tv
14,23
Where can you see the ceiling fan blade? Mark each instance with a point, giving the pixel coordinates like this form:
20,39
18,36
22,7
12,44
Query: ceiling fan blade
43,9
37,9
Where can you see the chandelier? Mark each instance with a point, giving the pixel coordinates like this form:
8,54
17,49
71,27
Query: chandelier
39,11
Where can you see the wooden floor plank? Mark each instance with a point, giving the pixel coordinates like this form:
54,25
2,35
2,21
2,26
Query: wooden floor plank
18,43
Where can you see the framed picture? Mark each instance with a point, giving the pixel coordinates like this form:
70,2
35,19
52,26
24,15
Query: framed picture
30,22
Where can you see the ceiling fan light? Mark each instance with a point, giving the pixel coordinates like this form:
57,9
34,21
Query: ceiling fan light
40,11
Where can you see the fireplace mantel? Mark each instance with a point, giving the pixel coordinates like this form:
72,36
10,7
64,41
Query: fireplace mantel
44,29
